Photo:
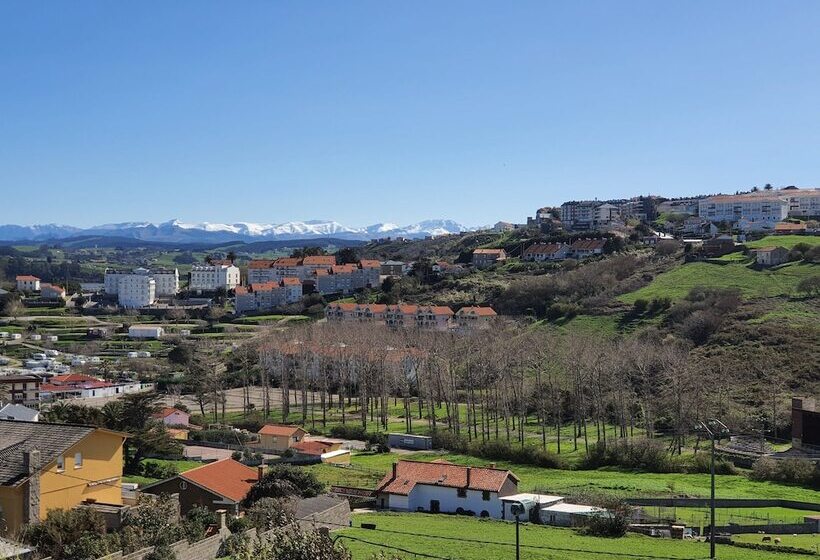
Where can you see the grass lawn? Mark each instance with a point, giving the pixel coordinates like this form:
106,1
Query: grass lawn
465,538
676,284
787,241
695,517
808,542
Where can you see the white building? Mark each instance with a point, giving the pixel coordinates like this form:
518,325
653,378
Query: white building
141,286
803,203
589,214
167,281
145,331
52,291
27,283
442,487
211,277
751,212
19,412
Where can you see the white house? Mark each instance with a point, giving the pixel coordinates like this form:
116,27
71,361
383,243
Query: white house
145,331
210,277
167,281
548,510
172,416
27,283
442,487
51,291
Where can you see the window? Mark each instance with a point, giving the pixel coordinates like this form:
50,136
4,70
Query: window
60,463
78,460
485,495
462,492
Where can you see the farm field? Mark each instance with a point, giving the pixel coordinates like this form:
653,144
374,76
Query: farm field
676,284
807,542
787,241
465,538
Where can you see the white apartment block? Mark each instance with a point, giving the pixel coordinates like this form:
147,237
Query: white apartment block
141,286
803,203
347,278
751,212
210,277
588,214
268,296
167,281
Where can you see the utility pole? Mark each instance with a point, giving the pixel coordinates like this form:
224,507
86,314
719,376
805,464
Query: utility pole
517,510
715,429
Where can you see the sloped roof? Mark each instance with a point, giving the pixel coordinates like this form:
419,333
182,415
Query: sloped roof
26,278
319,260
369,263
166,412
442,473
278,430
260,263
19,412
482,311
488,251
227,478
543,249
291,282
311,447
51,440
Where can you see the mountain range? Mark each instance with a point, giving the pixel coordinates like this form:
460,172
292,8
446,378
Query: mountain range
176,231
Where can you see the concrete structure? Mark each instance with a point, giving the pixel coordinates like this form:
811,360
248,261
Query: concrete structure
749,212
410,441
442,487
21,388
145,331
805,424
42,463
52,291
803,203
771,256
483,258
28,284
219,485
19,412
167,281
211,277
279,437
549,510
133,289
589,214
268,295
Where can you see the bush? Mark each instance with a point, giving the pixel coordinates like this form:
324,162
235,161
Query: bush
613,523
640,454
219,436
268,513
161,471
445,439
285,481
197,521
527,455
702,464
791,470
358,432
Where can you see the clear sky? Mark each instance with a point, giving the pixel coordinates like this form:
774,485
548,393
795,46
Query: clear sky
396,111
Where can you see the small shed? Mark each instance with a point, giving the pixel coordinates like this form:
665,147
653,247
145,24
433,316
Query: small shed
771,256
568,515
409,441
145,331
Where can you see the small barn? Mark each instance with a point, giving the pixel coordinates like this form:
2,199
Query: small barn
410,441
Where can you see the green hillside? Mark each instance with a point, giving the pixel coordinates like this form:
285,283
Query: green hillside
787,241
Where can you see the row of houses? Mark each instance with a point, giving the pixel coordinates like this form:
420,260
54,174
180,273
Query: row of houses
578,249
320,271
29,284
428,317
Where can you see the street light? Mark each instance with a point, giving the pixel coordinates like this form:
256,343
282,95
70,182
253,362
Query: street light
715,429
516,510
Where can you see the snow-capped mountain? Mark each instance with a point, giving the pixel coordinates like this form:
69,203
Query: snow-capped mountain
177,231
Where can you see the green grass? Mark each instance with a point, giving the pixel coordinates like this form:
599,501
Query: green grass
695,517
676,284
808,542
796,313
466,538
787,241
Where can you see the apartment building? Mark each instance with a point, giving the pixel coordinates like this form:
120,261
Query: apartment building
267,296
346,278
211,277
167,281
750,212
133,289
589,214
803,203
27,283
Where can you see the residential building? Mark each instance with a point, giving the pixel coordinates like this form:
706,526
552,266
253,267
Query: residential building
803,203
19,412
483,258
695,225
370,312
219,485
346,278
589,214
771,256
501,227
261,271
56,466
214,276
316,262
52,291
718,246
641,208
166,281
172,416
394,268
133,289
805,424
145,331
268,295
789,228
434,317
686,206
540,252
27,283
321,451
76,385
751,212
585,248
280,437
549,510
21,388
442,487
474,317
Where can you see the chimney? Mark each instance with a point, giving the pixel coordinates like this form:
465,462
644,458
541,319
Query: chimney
31,503
395,467
492,465
260,472
469,470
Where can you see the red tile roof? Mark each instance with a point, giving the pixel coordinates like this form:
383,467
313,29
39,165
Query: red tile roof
442,473
436,309
291,282
288,261
279,430
543,249
365,263
482,311
166,412
319,260
260,264
72,378
488,252
228,478
786,226
311,447
588,244
241,290
26,278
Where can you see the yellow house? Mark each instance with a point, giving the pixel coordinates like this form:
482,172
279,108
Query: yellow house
280,437
47,466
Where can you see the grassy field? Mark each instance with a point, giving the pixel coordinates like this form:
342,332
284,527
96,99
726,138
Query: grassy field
695,517
676,284
787,241
807,542
418,535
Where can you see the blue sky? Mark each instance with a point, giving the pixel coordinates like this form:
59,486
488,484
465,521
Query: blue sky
396,111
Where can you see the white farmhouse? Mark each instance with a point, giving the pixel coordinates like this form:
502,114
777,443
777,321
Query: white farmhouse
145,331
27,283
442,487
210,277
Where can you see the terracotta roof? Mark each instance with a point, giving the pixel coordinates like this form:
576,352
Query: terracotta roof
442,473
26,278
481,311
311,447
241,290
278,430
289,261
748,197
488,251
320,272
343,306
291,282
788,226
228,478
404,308
260,264
166,412
543,249
368,263
343,268
436,309
319,260
588,244
72,378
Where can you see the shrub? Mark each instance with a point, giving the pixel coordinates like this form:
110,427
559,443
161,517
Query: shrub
284,481
445,439
527,455
790,470
640,454
702,464
161,471
613,523
219,436
639,307
197,521
268,513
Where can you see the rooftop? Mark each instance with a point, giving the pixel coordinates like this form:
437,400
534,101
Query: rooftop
226,477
